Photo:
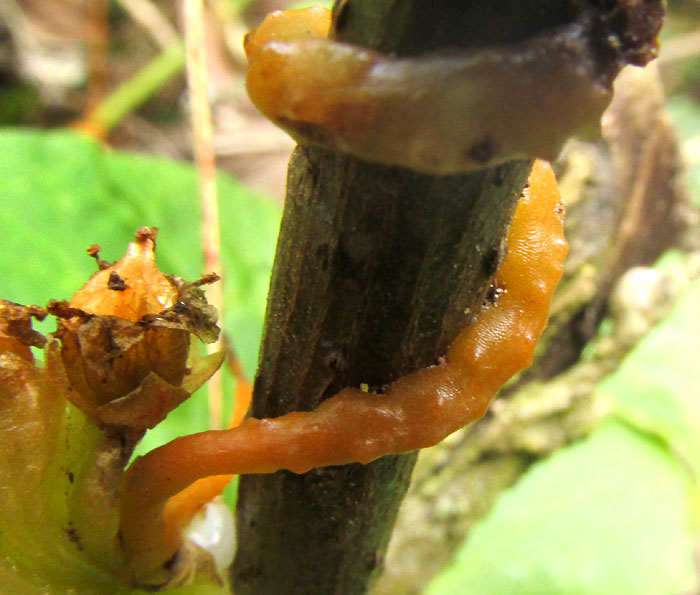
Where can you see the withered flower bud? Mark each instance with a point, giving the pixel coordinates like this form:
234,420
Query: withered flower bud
124,356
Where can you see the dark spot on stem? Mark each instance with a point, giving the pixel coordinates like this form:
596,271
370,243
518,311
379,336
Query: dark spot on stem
491,262
73,537
323,256
335,361
483,151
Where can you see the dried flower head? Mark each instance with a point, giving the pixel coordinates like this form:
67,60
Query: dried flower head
123,350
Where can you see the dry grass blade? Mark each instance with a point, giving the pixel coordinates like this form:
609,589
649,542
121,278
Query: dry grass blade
200,111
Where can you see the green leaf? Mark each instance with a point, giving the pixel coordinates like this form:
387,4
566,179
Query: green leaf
608,515
657,386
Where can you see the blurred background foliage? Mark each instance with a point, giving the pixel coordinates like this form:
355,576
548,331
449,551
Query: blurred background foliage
616,512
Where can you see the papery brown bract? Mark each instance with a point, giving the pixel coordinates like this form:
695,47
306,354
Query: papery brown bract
16,333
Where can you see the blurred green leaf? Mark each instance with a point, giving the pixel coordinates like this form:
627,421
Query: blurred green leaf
685,113
657,387
305,4
609,515
240,4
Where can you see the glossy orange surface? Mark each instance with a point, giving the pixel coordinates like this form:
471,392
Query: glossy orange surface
467,109
416,411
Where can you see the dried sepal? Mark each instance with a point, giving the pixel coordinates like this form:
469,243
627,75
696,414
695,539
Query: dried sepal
16,333
192,312
144,407
200,369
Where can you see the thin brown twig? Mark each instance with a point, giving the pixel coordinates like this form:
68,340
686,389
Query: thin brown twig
197,82
97,45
